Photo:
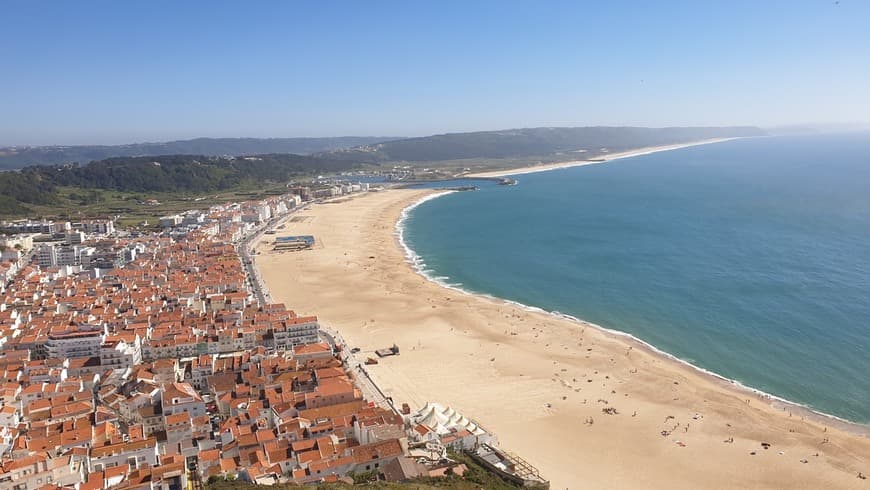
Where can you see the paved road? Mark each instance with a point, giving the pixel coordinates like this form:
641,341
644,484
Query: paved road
244,250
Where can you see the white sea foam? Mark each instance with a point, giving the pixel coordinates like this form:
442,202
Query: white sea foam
415,260
419,266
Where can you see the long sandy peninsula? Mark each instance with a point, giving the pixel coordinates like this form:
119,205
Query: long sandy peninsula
541,382
598,159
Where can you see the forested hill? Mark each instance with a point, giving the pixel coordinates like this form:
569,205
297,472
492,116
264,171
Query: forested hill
510,143
19,157
37,185
517,143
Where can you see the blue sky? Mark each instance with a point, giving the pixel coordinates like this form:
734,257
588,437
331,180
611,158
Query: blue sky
117,72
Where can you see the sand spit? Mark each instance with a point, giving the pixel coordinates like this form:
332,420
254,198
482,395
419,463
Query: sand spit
603,158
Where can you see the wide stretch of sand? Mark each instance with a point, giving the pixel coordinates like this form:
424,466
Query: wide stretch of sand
598,159
536,380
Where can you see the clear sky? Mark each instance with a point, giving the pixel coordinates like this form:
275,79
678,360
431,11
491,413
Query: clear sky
117,72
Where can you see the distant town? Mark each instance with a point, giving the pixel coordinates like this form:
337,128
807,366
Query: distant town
157,359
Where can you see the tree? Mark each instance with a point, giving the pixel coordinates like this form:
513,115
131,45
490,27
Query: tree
365,477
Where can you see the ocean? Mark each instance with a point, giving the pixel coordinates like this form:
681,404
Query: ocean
748,258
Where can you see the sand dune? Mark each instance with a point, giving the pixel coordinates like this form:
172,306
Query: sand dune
536,380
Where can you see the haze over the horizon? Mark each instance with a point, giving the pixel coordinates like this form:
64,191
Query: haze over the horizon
117,72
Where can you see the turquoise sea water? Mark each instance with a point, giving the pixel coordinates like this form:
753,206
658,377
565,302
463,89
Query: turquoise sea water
748,258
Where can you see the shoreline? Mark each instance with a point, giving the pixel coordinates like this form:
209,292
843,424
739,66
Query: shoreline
648,150
416,262
532,378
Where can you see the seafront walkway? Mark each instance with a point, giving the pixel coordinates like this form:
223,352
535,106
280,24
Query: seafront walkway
357,369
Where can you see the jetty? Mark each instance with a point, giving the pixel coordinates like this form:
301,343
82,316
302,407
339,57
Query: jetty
496,180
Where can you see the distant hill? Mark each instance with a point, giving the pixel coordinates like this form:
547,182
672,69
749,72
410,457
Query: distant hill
509,143
38,184
20,157
513,143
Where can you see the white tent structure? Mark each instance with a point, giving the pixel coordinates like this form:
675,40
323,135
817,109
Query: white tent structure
444,420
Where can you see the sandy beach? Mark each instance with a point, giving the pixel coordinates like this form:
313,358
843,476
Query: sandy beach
599,159
539,382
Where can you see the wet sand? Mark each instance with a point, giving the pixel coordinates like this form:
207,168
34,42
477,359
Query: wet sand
537,381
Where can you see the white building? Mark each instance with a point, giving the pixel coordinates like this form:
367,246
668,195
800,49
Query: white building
115,353
193,218
181,397
42,227
46,256
170,221
96,226
75,237
9,416
136,454
23,242
295,331
67,255
64,255
38,470
76,341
